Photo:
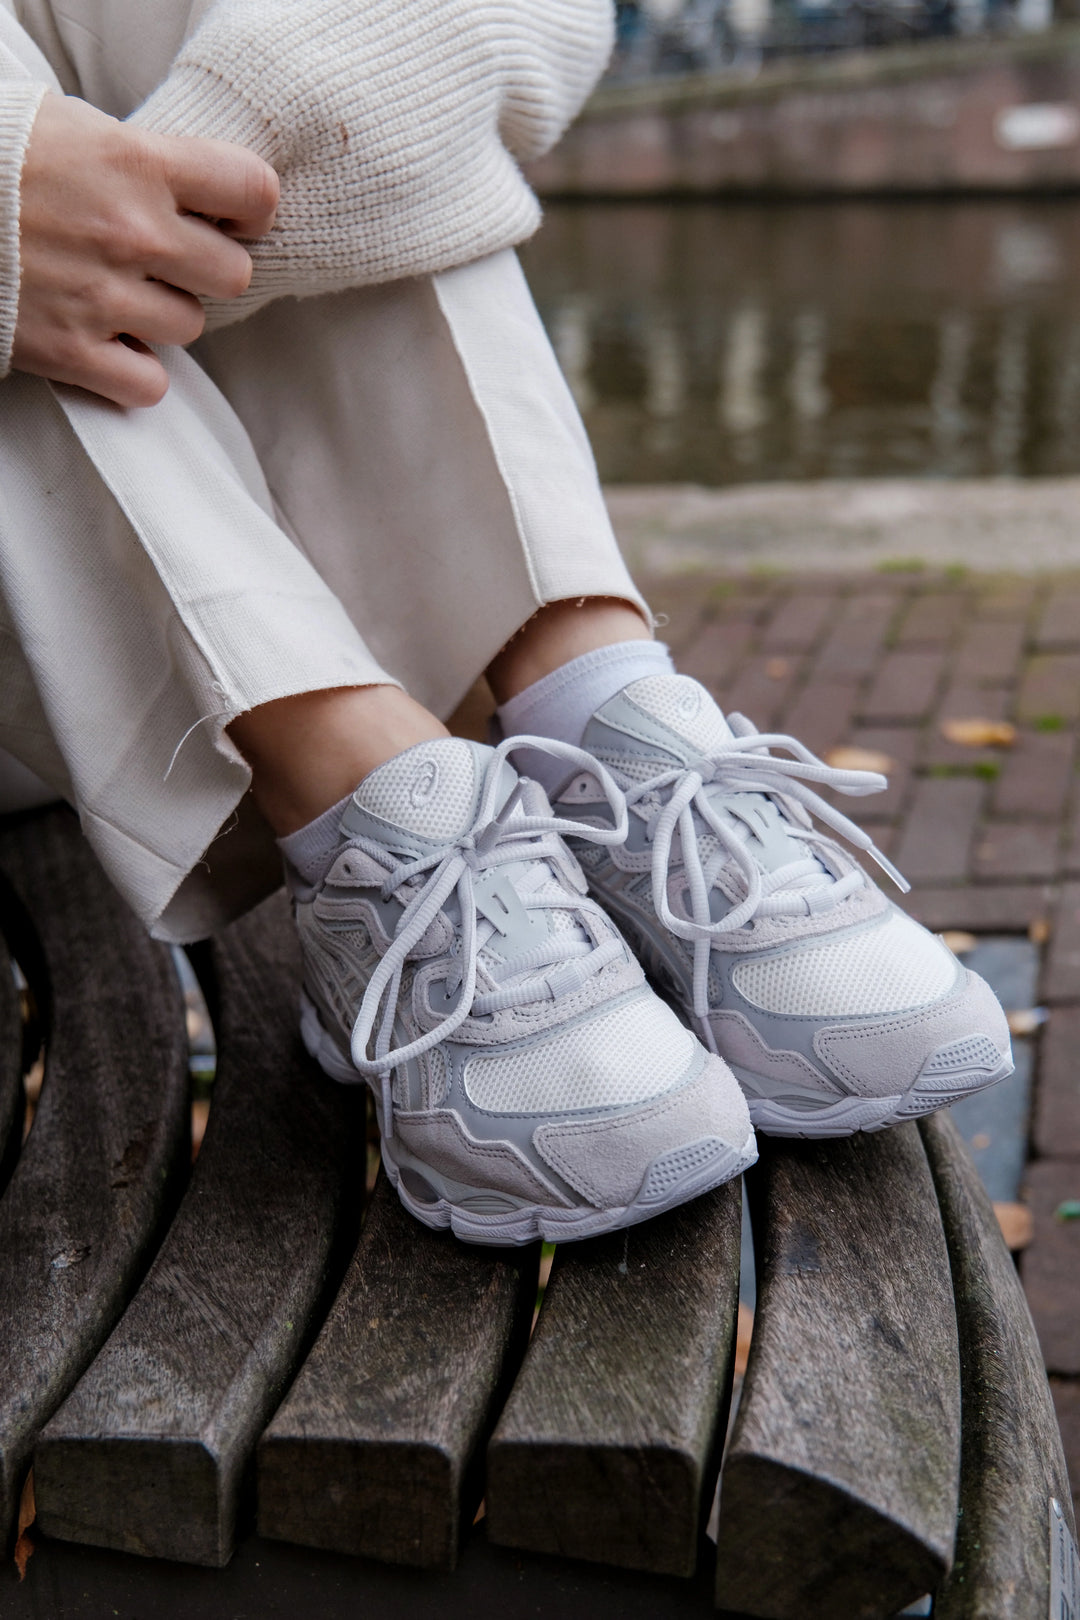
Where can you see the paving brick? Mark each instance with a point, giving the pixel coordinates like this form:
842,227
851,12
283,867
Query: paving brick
990,651
904,687
1061,978
1071,866
1036,775
933,619
760,689
1051,686
1066,1393
819,714
964,701
1018,849
990,909
797,624
858,635
1059,621
937,837
715,652
1050,1267
1006,599
900,744
1057,1097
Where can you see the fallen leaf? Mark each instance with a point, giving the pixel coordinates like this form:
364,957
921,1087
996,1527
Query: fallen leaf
24,1546
958,942
977,733
777,668
1039,930
1068,1210
200,1114
1026,1020
1017,1226
980,1141
742,1339
847,758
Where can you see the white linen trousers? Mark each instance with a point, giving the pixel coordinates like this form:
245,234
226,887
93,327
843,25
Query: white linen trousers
380,485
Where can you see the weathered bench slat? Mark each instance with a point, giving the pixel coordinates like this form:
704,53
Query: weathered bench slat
373,1450
148,1452
1012,1461
12,1098
605,1448
839,1490
110,1137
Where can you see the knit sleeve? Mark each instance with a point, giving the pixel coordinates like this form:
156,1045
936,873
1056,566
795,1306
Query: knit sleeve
396,126
20,98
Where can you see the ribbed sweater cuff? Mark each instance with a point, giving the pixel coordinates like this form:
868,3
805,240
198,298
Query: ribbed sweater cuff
19,103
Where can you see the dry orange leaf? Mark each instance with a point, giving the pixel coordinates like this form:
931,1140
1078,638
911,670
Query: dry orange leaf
1017,1226
959,941
847,758
777,668
742,1339
24,1546
200,1117
1039,930
978,733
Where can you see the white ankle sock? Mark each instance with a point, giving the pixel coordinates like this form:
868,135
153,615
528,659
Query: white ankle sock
309,849
561,704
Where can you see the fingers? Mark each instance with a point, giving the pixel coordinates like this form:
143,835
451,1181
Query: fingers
155,313
202,260
226,183
125,372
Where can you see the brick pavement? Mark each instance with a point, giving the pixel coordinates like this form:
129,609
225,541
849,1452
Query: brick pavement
989,837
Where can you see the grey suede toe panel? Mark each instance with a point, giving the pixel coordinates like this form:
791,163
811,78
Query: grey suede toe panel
885,1058
606,1159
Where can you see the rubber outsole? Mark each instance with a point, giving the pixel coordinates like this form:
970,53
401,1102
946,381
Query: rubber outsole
532,1223
849,1115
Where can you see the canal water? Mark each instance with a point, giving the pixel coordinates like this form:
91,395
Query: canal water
723,342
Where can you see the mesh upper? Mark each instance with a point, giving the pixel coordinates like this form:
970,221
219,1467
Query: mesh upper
878,970
685,707
430,789
974,1052
623,1056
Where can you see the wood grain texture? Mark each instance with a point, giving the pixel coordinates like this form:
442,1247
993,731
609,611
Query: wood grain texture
606,1448
1012,1458
110,1137
373,1451
12,1097
148,1453
839,1490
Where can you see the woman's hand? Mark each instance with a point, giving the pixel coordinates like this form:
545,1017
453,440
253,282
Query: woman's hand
114,252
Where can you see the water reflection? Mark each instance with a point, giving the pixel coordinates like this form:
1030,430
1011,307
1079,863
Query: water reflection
726,342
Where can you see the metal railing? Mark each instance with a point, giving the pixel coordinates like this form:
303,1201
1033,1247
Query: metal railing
713,36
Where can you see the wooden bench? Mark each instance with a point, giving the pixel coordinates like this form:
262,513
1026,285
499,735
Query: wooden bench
188,1355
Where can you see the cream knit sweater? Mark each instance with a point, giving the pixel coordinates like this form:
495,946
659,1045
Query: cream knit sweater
396,127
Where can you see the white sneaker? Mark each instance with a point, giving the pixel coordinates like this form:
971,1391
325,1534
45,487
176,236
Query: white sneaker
528,1081
835,1011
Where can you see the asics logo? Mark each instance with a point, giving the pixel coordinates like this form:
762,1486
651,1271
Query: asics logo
689,701
423,784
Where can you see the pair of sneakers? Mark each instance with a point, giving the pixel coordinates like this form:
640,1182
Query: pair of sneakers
479,955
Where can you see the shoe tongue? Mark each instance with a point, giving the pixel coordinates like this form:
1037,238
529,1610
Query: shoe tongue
660,717
430,794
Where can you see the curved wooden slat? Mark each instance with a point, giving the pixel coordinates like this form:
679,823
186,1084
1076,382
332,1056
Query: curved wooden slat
1012,1458
110,1138
374,1449
148,1452
12,1097
839,1490
605,1448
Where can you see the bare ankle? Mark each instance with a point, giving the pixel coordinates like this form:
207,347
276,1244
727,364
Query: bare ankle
559,632
308,751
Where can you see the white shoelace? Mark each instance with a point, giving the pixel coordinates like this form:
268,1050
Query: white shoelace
491,841
798,888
